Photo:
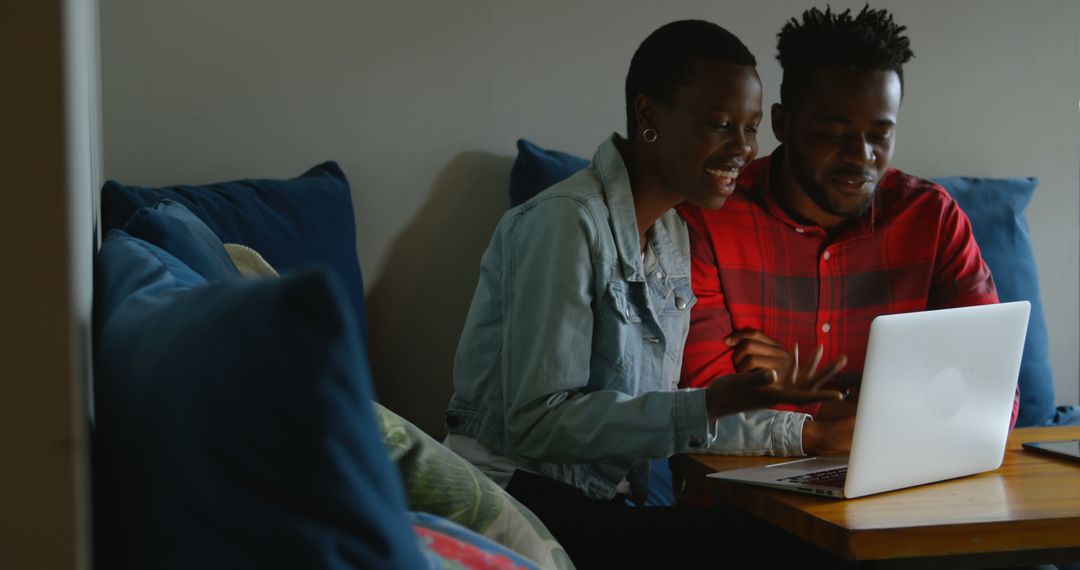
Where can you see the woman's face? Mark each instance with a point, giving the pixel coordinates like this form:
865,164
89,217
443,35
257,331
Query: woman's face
708,133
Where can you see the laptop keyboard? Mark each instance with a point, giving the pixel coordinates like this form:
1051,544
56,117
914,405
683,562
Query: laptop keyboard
826,478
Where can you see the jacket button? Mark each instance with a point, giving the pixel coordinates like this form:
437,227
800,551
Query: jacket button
452,420
680,303
695,441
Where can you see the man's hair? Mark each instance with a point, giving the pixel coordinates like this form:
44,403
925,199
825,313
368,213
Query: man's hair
664,61
869,41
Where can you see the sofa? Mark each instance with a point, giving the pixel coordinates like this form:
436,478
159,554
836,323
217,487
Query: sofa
234,419
234,423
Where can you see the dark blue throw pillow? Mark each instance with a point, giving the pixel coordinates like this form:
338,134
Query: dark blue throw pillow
175,229
535,169
996,209
234,425
292,223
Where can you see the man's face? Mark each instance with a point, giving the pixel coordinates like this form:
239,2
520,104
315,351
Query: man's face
708,133
840,139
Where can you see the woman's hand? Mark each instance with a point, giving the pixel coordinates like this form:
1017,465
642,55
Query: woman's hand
753,350
768,376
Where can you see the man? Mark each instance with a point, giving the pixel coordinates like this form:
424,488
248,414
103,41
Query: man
822,236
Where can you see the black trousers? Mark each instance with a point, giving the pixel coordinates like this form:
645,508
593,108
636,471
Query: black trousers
600,533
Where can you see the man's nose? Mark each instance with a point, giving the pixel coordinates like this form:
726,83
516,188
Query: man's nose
857,150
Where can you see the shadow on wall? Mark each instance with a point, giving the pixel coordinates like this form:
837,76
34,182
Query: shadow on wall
417,308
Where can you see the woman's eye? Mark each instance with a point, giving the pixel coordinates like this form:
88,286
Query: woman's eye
751,130
720,126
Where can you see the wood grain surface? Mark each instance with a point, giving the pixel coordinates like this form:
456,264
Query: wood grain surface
1032,502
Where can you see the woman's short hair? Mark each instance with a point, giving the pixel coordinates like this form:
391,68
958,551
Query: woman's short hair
664,61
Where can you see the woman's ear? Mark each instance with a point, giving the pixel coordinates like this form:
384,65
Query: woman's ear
780,120
645,112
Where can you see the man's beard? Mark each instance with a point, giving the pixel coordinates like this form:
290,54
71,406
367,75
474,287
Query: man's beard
817,192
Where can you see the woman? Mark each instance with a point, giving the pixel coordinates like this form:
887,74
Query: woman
566,373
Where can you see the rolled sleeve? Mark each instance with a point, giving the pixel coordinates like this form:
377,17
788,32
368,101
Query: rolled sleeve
691,420
757,432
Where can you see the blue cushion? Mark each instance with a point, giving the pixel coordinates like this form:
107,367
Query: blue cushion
293,223
536,169
175,229
234,426
996,209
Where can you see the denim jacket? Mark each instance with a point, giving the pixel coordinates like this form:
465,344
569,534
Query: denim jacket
570,357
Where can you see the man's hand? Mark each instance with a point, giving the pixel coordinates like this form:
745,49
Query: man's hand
736,393
838,410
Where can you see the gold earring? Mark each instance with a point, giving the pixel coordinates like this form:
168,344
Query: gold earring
649,135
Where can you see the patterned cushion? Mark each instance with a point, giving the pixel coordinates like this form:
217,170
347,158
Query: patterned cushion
450,545
441,482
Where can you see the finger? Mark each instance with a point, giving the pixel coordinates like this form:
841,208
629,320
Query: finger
749,349
829,372
799,397
763,363
810,370
748,380
750,334
795,366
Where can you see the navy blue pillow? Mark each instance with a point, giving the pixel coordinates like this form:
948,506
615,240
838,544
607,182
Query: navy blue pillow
175,229
293,223
996,209
536,169
234,426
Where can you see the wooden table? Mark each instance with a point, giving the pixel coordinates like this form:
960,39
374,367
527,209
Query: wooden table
1027,511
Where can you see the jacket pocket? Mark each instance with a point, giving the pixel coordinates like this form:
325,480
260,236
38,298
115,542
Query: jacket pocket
616,323
620,301
680,300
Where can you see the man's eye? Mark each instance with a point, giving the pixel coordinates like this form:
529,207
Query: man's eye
720,126
751,130
880,137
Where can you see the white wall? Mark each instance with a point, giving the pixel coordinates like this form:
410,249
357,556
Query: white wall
421,103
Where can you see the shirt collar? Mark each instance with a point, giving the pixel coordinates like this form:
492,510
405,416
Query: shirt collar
615,179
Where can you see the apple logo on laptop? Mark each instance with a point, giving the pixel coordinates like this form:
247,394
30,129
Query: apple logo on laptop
945,393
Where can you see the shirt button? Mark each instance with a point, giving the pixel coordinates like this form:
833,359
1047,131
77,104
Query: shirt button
825,328
659,275
827,256
680,303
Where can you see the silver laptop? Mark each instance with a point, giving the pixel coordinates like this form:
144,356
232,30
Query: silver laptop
935,403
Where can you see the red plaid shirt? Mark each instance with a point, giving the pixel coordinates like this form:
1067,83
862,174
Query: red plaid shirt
754,267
